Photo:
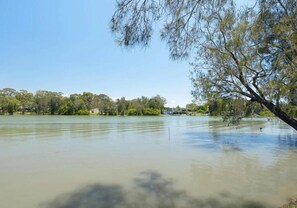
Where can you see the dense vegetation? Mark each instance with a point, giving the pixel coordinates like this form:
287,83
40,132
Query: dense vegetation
54,103
233,110
240,53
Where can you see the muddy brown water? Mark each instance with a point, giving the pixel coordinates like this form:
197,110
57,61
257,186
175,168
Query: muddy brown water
153,162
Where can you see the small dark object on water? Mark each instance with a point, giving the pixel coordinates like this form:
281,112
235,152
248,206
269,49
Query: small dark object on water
261,129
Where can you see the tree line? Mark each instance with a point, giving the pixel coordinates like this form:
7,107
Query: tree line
54,103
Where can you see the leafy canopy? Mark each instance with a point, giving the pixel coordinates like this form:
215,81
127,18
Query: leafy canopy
240,53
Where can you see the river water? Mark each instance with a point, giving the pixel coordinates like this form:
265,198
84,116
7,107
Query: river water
145,162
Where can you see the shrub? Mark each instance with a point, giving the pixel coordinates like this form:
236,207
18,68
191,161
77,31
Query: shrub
266,113
83,112
132,112
151,112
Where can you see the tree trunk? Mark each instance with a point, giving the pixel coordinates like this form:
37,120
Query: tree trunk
280,114
277,111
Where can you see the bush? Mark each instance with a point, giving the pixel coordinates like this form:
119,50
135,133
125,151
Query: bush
63,110
266,113
151,112
132,112
293,111
83,112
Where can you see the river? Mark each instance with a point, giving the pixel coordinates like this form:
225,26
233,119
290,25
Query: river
145,162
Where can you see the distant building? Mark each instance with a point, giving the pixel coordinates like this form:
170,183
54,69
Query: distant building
175,111
168,111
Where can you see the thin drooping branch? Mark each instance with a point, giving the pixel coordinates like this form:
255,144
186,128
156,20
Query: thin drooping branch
248,52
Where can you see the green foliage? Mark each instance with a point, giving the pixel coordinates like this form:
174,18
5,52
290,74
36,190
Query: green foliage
26,101
47,102
157,102
63,110
122,106
266,113
53,103
178,109
292,111
132,112
151,112
88,99
141,106
41,102
83,112
138,105
234,111
216,107
9,105
8,101
12,104
202,109
191,108
247,53
106,105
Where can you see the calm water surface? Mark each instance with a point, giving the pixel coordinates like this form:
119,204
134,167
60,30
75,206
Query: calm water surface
144,162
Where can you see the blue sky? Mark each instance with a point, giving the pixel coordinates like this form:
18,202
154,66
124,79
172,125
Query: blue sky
66,46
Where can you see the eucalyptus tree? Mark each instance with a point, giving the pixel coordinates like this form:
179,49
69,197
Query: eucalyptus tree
122,106
54,101
88,99
26,100
41,102
8,92
157,102
136,107
241,53
47,102
8,101
76,103
106,105
191,108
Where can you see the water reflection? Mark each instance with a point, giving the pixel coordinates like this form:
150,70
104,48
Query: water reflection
239,141
75,127
151,190
288,141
